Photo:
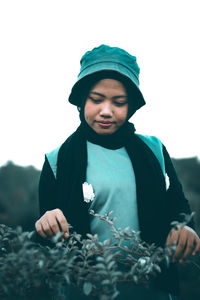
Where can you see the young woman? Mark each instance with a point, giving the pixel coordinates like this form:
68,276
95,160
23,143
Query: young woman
128,171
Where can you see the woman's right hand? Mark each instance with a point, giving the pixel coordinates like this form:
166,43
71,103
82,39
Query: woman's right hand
51,223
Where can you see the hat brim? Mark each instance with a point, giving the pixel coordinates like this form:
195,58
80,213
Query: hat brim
83,83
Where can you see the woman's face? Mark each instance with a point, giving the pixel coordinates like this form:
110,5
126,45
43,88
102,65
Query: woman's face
106,106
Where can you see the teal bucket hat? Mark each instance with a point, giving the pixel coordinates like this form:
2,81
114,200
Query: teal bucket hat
105,58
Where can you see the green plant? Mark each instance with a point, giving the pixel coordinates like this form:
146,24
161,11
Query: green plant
29,270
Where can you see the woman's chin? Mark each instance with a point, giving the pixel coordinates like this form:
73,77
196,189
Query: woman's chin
104,131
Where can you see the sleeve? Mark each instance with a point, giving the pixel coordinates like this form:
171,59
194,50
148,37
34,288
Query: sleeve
47,189
175,195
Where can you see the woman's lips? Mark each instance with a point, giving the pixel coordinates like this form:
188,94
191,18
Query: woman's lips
105,124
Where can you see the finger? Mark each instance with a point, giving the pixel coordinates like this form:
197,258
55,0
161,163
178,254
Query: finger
39,229
46,228
188,250
197,247
63,223
172,237
49,222
172,241
182,239
53,224
169,238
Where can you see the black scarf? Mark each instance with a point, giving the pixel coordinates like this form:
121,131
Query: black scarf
150,182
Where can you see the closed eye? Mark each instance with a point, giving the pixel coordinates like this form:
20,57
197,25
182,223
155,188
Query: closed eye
95,100
120,103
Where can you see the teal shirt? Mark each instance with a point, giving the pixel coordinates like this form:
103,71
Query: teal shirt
113,180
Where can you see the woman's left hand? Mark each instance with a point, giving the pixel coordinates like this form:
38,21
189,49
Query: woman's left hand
186,240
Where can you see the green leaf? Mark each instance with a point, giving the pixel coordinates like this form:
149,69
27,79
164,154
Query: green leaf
67,278
108,258
111,264
157,268
90,236
107,242
104,297
100,259
135,278
133,268
87,288
115,295
41,264
102,272
105,282
56,238
166,259
100,266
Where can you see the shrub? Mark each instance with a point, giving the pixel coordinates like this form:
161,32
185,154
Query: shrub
29,270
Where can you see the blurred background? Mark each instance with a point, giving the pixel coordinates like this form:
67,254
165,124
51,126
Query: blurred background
41,43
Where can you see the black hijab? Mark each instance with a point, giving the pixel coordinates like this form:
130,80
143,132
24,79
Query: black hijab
150,182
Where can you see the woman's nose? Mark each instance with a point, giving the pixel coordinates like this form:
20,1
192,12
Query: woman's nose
106,110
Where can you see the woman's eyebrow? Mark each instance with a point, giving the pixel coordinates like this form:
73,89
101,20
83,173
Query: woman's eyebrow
120,96
114,97
98,94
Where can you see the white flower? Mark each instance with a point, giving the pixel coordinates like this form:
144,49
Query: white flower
142,261
88,193
167,182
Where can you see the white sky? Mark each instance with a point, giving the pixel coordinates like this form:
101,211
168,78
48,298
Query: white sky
41,43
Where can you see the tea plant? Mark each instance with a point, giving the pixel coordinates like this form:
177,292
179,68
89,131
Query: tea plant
30,270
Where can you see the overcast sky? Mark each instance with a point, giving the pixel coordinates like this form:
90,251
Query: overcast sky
42,42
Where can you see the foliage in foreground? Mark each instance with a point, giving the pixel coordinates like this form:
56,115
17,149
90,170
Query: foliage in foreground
29,270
